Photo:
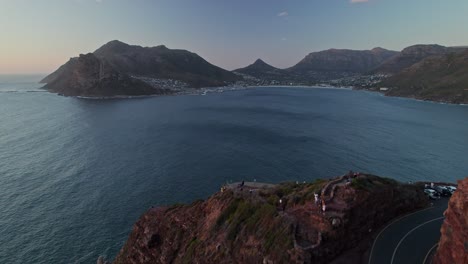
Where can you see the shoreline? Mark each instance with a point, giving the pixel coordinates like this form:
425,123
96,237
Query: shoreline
411,97
206,90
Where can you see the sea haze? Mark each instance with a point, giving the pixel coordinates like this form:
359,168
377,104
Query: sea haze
76,174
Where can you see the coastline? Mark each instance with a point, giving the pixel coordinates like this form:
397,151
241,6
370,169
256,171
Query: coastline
411,97
206,90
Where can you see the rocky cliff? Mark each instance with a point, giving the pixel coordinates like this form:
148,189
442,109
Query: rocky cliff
453,245
280,224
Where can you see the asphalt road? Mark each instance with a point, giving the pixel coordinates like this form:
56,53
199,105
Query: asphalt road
409,238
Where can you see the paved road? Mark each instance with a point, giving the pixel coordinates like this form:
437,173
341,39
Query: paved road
410,238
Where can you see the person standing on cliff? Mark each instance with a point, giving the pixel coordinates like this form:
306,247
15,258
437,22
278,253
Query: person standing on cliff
316,199
324,207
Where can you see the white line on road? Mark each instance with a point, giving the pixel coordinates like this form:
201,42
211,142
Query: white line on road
429,252
391,223
407,234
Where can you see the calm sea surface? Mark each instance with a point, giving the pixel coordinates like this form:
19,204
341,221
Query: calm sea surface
76,174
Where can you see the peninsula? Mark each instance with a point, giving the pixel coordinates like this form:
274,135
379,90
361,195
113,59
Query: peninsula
121,69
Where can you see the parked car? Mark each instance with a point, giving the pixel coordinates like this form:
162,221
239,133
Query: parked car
433,195
442,191
452,189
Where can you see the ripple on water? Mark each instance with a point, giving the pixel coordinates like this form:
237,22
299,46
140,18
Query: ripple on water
76,174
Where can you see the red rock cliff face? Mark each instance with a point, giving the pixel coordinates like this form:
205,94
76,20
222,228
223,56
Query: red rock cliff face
239,226
453,245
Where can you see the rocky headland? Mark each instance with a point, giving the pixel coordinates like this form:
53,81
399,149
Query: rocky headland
87,75
119,69
453,245
272,224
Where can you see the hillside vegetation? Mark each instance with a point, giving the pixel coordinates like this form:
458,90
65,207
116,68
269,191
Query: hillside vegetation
438,78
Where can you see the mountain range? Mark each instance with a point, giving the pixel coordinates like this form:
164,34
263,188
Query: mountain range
117,68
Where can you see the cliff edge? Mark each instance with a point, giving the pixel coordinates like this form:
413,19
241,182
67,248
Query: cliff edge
276,224
453,245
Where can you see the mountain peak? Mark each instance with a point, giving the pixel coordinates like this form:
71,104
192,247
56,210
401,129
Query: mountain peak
258,65
114,46
378,49
259,61
432,49
262,70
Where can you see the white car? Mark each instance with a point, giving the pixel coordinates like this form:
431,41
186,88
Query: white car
431,194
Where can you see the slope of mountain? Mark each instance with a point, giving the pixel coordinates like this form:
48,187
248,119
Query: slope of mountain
410,56
336,63
164,63
115,67
87,75
441,78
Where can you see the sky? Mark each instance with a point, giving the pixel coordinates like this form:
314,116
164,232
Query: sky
37,36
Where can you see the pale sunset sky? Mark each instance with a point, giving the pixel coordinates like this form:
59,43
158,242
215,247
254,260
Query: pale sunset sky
39,36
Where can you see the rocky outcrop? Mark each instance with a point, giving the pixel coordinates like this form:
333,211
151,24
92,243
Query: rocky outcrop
453,245
280,224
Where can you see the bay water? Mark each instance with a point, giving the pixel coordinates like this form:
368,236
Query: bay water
75,174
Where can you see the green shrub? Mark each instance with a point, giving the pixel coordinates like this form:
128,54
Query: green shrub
363,184
190,250
228,212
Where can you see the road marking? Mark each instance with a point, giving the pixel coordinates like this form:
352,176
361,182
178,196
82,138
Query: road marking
429,252
407,234
391,223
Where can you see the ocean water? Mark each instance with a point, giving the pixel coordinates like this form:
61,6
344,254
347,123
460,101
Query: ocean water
75,174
